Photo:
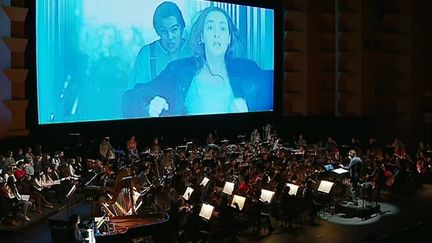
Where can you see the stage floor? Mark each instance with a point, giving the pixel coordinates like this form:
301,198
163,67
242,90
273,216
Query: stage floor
406,214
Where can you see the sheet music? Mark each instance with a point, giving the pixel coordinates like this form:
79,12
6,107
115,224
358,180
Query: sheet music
228,188
204,181
188,193
325,186
239,200
340,171
206,211
293,189
266,195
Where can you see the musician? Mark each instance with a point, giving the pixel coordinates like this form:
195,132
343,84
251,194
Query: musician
3,166
28,166
156,147
132,146
267,130
309,200
301,141
27,188
376,179
331,145
255,136
210,138
76,233
399,148
20,172
105,149
15,197
9,159
354,168
144,176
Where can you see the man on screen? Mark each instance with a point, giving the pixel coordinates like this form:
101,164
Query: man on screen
213,81
152,58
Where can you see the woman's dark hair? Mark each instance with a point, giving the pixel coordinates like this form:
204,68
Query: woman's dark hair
197,30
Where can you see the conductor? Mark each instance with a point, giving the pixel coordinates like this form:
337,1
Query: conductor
354,168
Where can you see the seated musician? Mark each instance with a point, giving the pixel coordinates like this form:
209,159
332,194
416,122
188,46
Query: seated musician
144,176
20,172
376,179
288,207
258,213
8,211
226,219
36,196
16,199
75,232
132,146
156,147
255,136
48,178
309,201
105,150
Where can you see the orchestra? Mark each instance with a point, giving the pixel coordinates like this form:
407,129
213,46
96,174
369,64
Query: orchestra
146,190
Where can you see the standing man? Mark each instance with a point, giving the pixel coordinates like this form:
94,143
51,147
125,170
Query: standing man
354,168
152,58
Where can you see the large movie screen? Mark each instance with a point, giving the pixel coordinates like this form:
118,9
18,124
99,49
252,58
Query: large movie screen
105,60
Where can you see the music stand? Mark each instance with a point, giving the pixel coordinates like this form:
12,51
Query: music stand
228,188
188,193
266,195
239,200
206,211
293,189
68,196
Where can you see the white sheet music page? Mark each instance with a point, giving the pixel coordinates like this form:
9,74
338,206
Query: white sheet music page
188,193
204,181
293,189
228,188
325,186
206,211
239,200
266,195
340,171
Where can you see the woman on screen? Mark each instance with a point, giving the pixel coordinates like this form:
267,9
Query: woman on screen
213,81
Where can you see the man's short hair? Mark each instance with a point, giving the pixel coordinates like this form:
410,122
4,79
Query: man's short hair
352,153
165,10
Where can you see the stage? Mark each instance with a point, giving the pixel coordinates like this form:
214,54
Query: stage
364,212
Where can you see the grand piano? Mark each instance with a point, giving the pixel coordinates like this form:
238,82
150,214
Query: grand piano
125,225
128,228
